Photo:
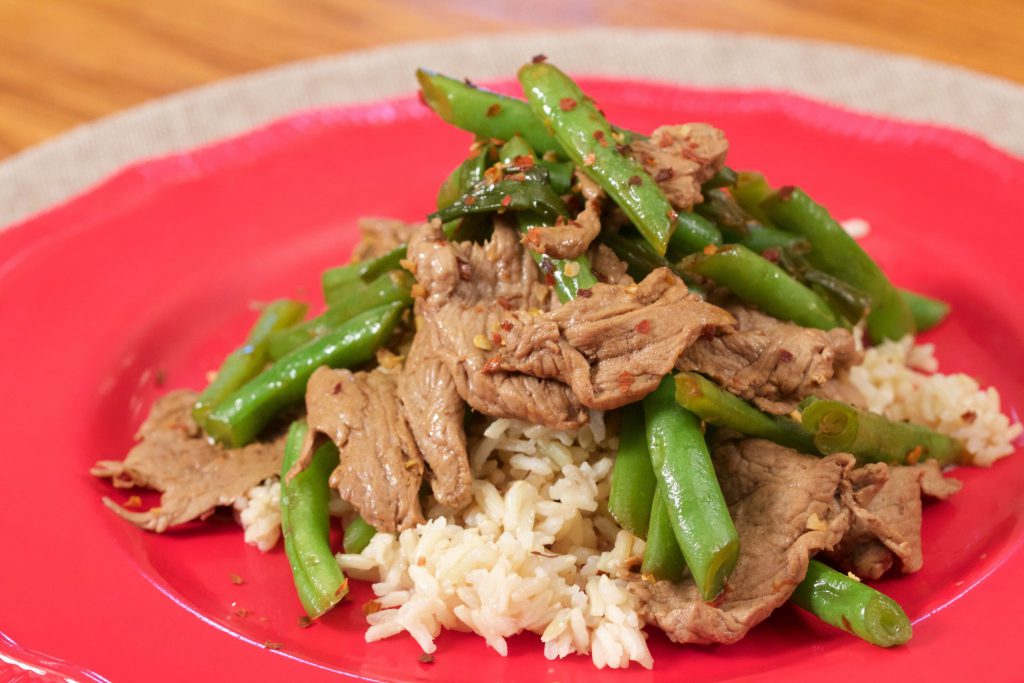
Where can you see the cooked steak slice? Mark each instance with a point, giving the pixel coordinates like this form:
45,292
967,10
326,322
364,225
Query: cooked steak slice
775,364
786,507
570,239
379,468
681,158
886,526
381,235
434,411
613,346
467,291
174,456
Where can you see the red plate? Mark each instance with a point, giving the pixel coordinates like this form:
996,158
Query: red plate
142,285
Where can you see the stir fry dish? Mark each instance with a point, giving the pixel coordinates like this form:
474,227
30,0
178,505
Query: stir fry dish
609,385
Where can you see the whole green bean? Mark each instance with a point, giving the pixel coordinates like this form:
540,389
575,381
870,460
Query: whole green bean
848,604
686,478
580,130
716,406
306,525
633,481
358,534
758,281
759,239
835,252
662,558
243,414
344,304
248,360
927,312
839,428
484,113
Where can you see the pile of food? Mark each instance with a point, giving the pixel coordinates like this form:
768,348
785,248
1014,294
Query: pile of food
609,383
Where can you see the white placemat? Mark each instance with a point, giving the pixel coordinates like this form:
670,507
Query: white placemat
906,87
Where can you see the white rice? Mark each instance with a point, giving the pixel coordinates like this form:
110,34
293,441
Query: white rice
535,551
901,381
259,513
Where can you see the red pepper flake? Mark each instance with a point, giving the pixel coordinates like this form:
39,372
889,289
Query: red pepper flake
786,192
914,455
496,338
635,180
969,417
465,270
336,389
549,279
421,561
241,613
664,141
492,365
506,325
625,380
584,293
708,332
567,104
468,82
664,174
672,215
622,149
236,579
371,607
643,327
785,356
271,645
710,250
426,657
599,135
504,303
305,622
133,502
773,254
539,58
469,201
523,161
494,110
506,200
497,142
589,159
159,377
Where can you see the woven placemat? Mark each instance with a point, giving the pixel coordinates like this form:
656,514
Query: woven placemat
882,83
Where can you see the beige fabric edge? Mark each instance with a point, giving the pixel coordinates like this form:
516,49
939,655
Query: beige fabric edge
906,87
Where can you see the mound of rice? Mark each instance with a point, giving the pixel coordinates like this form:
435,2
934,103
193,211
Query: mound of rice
901,381
535,551
259,513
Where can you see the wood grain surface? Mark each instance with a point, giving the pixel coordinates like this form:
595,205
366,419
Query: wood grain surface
66,62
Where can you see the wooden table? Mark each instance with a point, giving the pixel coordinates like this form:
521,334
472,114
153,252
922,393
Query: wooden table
66,62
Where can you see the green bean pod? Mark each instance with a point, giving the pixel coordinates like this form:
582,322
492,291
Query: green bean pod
852,606
306,525
718,407
927,312
691,232
633,480
750,190
840,428
662,558
835,252
686,478
724,177
243,414
248,360
484,113
758,281
358,534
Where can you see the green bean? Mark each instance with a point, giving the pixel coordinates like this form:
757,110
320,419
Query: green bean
662,558
716,406
482,112
750,189
306,525
760,239
530,192
720,208
848,604
390,287
758,281
835,252
248,360
724,177
637,254
243,414
580,130
692,232
633,481
686,478
927,312
840,428
358,534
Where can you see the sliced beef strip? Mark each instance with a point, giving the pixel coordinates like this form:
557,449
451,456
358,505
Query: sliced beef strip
381,235
886,526
466,291
773,363
607,267
786,507
379,467
174,456
680,158
568,240
613,346
434,411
